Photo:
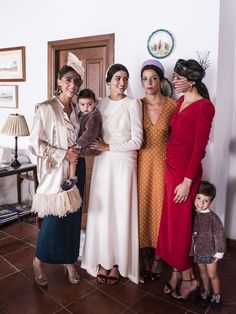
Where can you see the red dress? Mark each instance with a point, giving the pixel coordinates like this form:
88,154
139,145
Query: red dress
186,146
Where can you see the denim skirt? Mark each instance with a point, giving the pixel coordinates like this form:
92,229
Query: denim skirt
59,237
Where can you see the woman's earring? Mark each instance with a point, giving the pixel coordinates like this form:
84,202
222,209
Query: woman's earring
58,90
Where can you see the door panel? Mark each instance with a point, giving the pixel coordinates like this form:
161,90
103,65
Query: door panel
94,71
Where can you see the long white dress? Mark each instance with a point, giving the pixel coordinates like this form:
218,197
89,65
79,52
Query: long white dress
112,224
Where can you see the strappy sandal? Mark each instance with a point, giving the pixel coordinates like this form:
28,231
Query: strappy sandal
71,274
157,268
101,278
170,289
39,275
112,280
176,294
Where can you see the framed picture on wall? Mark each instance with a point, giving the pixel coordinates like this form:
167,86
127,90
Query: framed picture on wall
8,96
12,64
160,43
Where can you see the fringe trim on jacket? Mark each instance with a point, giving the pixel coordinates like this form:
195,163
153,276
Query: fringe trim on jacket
57,204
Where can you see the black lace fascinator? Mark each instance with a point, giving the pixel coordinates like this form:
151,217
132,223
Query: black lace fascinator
194,71
190,69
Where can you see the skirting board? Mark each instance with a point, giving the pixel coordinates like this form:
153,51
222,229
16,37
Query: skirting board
231,242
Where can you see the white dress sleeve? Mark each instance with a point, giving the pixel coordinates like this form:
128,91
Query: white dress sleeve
136,128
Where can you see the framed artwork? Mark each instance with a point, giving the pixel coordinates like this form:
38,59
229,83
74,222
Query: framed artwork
160,43
12,64
8,96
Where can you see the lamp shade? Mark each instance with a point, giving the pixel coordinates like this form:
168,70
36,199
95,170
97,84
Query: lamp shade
15,125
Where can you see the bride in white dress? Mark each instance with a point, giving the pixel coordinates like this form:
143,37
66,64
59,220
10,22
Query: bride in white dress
111,243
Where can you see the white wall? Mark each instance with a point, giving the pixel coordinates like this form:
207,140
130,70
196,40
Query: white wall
225,146
34,23
193,23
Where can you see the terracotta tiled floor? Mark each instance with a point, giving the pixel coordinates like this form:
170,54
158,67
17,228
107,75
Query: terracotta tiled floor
19,294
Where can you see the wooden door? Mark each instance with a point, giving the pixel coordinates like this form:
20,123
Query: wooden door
96,54
93,63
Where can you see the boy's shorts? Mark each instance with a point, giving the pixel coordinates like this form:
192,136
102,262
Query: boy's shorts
203,259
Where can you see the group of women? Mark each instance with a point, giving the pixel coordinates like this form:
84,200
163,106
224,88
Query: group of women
143,183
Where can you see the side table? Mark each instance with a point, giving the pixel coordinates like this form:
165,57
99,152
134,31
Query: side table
22,173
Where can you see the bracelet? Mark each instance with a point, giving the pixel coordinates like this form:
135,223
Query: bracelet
187,179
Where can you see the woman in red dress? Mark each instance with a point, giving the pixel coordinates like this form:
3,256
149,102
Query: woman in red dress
190,128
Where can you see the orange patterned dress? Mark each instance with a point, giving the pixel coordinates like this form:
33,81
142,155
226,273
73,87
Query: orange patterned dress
151,162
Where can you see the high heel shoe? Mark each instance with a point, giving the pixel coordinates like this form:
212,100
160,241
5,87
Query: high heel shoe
72,274
39,275
157,267
194,286
168,287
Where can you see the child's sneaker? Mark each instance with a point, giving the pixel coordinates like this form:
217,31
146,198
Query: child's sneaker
205,298
69,183
216,302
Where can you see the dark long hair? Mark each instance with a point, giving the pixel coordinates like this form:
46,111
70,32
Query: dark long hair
115,68
194,72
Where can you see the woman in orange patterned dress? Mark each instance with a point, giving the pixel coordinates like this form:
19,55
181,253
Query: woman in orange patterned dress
157,109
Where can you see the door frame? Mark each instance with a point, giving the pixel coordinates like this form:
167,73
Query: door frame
54,48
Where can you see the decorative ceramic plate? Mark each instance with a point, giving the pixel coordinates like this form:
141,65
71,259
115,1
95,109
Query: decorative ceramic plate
160,43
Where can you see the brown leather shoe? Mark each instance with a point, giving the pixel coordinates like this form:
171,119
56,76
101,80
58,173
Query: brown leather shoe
113,276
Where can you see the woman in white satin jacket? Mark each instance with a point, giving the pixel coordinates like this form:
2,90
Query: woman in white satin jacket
54,131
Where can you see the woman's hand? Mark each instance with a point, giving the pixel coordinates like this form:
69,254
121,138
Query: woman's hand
182,191
99,145
72,154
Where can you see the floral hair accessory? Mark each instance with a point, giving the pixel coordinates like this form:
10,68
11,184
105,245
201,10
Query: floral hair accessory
76,64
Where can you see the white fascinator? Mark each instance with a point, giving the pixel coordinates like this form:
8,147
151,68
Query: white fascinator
76,64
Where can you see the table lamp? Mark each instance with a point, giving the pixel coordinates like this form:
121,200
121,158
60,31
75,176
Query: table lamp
15,125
